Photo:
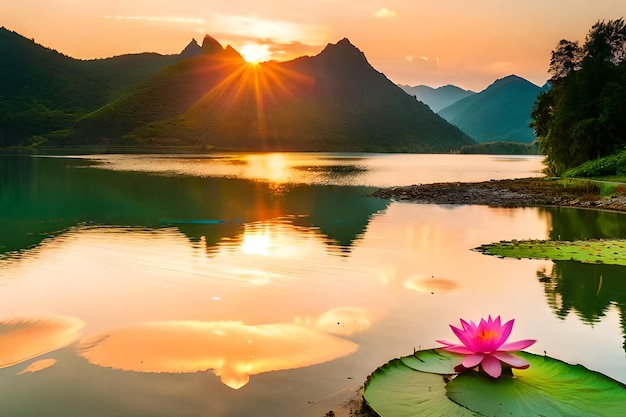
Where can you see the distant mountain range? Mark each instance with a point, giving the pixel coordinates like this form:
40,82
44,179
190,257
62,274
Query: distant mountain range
209,96
437,98
501,112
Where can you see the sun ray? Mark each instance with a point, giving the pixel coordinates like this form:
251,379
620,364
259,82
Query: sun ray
247,102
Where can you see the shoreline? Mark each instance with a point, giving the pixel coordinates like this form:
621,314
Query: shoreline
520,192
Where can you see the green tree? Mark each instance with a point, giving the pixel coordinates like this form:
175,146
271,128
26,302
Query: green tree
566,58
583,115
606,41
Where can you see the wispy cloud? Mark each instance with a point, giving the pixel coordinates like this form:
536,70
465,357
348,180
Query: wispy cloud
277,30
285,39
423,60
166,19
501,66
384,13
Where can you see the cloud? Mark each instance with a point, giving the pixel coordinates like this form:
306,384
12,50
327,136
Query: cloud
166,19
293,49
384,13
423,60
279,31
501,66
285,40
280,51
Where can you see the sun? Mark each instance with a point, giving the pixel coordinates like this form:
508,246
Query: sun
254,53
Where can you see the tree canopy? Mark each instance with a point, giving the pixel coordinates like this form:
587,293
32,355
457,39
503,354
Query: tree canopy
583,115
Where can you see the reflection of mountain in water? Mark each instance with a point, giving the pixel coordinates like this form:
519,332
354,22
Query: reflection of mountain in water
42,196
589,290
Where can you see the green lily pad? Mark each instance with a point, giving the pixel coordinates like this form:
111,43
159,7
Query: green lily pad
549,388
418,385
610,251
436,361
396,390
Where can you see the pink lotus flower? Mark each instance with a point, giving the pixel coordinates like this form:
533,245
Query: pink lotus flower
484,345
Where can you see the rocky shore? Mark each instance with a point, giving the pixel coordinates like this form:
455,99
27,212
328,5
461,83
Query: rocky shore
522,192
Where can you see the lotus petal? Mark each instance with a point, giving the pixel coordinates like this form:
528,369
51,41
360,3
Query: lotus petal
519,345
511,360
491,366
473,360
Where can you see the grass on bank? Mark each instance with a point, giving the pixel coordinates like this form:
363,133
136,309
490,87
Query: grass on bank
600,187
609,168
604,176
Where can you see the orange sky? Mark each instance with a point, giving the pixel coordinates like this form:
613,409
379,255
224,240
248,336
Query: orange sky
461,42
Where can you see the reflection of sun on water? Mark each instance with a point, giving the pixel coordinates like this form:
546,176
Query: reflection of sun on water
257,243
273,239
273,167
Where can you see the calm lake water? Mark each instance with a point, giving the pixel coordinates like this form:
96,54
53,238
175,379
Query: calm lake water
268,284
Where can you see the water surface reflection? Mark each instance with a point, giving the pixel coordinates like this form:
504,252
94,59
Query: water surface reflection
22,339
232,350
590,291
181,271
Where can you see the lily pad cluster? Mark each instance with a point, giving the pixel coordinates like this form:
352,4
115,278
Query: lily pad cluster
611,251
426,384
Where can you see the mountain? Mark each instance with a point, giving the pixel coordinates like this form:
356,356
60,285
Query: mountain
437,98
191,50
334,101
42,90
209,96
501,112
170,93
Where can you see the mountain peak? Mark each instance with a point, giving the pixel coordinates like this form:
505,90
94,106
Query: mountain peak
511,79
211,46
231,53
343,45
345,42
437,98
501,112
192,49
342,53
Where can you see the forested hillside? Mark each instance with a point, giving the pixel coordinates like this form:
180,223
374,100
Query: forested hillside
583,116
43,91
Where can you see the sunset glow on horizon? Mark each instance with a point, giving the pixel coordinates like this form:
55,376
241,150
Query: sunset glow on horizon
255,53
468,44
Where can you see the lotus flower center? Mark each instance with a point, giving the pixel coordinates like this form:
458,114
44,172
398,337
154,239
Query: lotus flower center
485,335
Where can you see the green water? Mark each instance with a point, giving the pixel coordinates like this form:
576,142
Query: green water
246,285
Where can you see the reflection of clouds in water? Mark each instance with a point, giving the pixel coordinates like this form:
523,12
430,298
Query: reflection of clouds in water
38,366
431,284
232,350
343,321
23,339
